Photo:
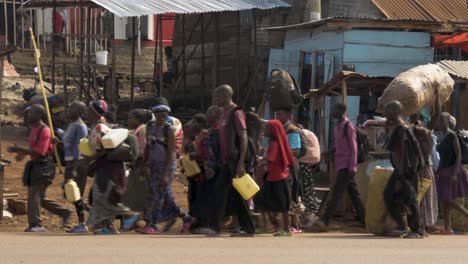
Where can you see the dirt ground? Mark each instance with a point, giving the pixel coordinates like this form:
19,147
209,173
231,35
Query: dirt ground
13,184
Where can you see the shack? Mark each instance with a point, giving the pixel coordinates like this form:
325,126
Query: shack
375,49
198,22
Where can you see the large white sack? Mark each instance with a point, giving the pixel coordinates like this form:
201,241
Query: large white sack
415,88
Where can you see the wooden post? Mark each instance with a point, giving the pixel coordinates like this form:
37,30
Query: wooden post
237,58
76,30
202,80
115,89
132,78
161,58
22,27
216,53
53,48
88,39
65,86
255,50
6,23
155,61
96,89
101,30
38,40
344,88
81,42
95,31
184,66
1,165
85,34
43,32
14,23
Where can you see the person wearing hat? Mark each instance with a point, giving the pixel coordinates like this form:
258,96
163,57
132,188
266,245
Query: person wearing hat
179,132
160,159
109,181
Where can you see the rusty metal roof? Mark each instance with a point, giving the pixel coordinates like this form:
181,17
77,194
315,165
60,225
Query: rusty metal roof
129,8
455,68
431,10
364,22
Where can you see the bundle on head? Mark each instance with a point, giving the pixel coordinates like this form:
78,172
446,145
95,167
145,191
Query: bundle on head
282,88
415,88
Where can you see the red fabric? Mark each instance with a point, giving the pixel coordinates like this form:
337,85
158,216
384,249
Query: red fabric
44,142
276,170
279,154
239,124
58,22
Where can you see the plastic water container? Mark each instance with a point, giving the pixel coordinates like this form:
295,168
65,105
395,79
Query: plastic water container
101,57
191,167
85,148
114,138
72,192
246,186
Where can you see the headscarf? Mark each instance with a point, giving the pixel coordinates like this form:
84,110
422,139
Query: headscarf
452,123
162,105
284,155
99,107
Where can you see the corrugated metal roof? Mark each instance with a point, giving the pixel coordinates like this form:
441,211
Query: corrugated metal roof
456,68
128,8
359,20
431,10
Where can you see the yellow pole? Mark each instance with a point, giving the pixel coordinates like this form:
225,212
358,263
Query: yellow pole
46,103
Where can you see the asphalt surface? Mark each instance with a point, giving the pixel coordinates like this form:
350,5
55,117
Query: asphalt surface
308,248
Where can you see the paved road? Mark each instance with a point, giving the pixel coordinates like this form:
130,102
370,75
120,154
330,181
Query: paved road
310,249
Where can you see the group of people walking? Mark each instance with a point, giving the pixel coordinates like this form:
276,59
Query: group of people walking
226,142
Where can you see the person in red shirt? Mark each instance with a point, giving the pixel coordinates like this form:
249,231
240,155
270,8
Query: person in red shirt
40,171
233,144
275,196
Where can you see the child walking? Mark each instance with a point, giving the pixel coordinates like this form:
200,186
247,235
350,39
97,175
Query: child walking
274,196
160,159
76,167
137,188
40,171
109,180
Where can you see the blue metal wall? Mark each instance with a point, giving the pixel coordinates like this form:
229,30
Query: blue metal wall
386,53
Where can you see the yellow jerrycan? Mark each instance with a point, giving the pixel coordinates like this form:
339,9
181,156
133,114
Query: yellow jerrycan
72,192
191,167
85,148
246,186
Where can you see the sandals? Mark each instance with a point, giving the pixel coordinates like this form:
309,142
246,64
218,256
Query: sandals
282,233
444,232
412,236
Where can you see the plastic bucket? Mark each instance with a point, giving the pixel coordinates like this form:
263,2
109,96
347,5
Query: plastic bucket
101,57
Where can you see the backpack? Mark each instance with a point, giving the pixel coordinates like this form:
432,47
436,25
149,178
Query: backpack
151,139
125,152
362,142
304,146
463,139
254,125
312,155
